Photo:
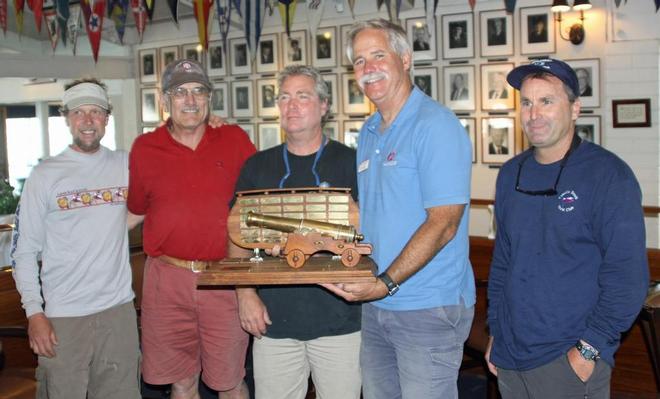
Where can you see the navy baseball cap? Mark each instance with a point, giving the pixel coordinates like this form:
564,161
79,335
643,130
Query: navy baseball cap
557,68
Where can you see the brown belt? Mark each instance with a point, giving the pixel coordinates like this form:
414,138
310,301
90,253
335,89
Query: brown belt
194,266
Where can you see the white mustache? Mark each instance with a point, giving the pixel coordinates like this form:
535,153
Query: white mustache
371,76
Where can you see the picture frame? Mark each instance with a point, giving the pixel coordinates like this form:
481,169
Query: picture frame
496,94
497,139
248,128
343,33
470,125
241,62
423,39
458,35
426,79
167,55
460,87
148,66
587,127
496,33
537,31
148,128
631,113
588,74
242,99
324,47
149,100
267,100
269,135
354,102
333,88
351,131
216,61
192,51
294,48
220,99
331,130
268,54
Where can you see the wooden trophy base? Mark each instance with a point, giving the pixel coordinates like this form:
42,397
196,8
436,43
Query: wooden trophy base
275,271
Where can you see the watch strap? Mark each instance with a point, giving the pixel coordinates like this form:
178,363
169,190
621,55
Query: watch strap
587,351
392,287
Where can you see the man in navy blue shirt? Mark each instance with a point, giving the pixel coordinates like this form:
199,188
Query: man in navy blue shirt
569,271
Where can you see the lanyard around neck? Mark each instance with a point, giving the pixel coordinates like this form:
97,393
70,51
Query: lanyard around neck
285,156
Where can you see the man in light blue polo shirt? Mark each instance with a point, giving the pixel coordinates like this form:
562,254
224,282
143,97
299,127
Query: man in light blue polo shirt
414,163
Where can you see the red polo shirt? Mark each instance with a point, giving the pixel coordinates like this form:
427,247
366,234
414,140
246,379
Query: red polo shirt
184,193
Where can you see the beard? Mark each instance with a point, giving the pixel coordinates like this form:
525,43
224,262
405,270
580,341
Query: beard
87,147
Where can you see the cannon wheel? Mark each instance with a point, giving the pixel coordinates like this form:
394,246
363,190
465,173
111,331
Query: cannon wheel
350,257
295,258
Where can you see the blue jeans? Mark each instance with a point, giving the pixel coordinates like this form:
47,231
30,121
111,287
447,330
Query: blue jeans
413,354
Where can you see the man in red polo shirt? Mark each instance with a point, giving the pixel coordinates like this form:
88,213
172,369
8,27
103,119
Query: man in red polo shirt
182,178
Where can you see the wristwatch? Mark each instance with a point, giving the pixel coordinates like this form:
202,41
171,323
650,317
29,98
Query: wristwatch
392,287
587,351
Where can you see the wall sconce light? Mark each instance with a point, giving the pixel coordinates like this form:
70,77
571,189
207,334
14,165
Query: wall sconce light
576,33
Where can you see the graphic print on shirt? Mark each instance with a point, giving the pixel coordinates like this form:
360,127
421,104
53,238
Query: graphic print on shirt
84,198
567,201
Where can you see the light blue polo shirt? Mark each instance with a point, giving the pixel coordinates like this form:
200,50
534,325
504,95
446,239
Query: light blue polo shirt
423,160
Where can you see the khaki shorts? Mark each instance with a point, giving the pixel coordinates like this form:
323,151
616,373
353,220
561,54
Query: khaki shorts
96,354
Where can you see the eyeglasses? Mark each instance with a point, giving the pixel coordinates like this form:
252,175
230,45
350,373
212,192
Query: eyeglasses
549,191
199,92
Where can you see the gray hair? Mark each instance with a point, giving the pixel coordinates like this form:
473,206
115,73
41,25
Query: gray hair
396,35
320,87
546,76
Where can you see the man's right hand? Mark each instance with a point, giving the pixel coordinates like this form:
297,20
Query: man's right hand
42,335
491,366
252,311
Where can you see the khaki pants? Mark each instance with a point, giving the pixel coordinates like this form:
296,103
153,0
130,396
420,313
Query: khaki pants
97,357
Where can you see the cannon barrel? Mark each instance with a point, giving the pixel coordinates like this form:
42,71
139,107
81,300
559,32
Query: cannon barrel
302,226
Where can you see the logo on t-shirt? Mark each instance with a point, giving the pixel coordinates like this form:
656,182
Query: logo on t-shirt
567,201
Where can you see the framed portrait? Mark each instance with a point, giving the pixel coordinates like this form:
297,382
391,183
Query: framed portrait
241,99
426,79
268,54
588,128
167,55
269,135
249,129
324,48
216,64
460,89
588,74
458,35
496,94
331,130
351,132
220,99
241,62
631,113
266,103
496,29
343,30
497,139
422,38
470,125
333,88
148,66
354,102
149,100
192,51
537,31
148,128
294,48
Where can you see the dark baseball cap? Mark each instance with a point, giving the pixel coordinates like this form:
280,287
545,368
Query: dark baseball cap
184,71
557,68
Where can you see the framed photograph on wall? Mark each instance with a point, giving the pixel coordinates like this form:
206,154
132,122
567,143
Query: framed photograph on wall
459,84
192,51
497,139
220,99
458,35
333,88
470,125
588,74
588,128
351,132
148,66
354,102
294,48
537,31
422,38
496,94
248,128
149,100
426,79
269,135
324,48
167,55
268,55
215,62
331,130
239,56
343,30
266,100
496,29
241,99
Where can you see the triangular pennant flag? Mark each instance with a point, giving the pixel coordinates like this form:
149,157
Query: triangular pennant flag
253,19
117,11
314,14
140,16
18,9
93,11
50,15
37,7
149,5
174,9
62,9
430,6
202,9
657,5
510,6
472,2
351,5
237,6
3,16
287,11
73,26
223,8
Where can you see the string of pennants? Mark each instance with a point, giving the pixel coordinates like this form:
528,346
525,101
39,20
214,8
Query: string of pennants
64,21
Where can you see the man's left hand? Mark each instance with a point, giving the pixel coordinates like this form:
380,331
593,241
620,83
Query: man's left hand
355,292
215,121
583,368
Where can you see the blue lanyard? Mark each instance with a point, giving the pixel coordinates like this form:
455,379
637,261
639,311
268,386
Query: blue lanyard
285,156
